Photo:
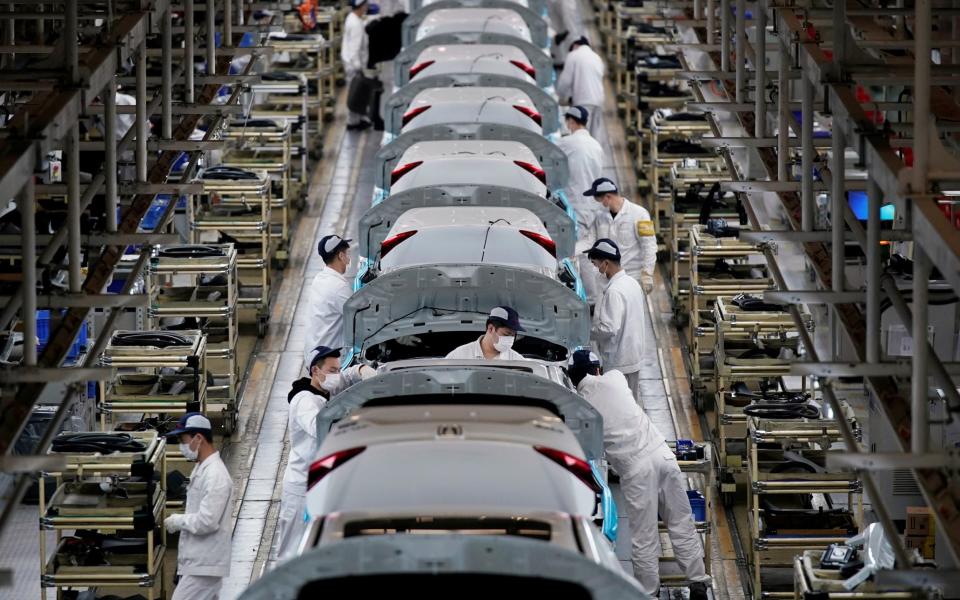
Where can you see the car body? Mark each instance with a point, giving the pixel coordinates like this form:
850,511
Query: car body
432,566
498,59
508,106
464,162
451,20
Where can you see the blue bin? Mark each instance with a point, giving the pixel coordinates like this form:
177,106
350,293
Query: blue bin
43,336
150,220
698,505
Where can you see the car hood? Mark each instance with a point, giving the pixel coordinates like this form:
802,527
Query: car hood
551,158
442,557
539,60
455,378
452,298
399,102
533,20
377,221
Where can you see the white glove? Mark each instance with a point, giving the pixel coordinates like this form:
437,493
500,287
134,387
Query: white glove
409,340
646,282
367,372
173,523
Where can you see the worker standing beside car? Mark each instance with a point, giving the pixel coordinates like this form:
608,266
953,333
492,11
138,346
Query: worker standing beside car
306,398
496,343
353,53
619,315
650,478
203,556
585,160
581,81
328,292
629,225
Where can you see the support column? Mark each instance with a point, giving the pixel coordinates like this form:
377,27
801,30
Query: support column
711,22
741,41
188,27
920,428
807,199
73,207
783,114
760,66
166,79
110,152
71,54
874,201
838,200
725,36
28,251
921,97
142,113
211,37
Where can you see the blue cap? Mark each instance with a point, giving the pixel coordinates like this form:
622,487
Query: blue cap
192,422
373,9
578,114
506,317
583,358
331,244
604,248
601,186
322,352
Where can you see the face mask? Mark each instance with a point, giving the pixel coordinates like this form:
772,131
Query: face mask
504,343
331,382
188,452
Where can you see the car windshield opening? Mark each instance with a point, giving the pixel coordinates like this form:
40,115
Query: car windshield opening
518,527
429,586
463,399
439,344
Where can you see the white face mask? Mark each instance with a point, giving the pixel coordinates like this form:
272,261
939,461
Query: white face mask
331,382
504,343
188,452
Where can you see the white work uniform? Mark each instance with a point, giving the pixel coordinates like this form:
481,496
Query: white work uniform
618,326
582,81
203,557
472,351
329,291
354,52
585,160
305,405
564,16
633,232
650,479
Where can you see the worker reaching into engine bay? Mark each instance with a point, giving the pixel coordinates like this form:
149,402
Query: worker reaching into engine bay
496,343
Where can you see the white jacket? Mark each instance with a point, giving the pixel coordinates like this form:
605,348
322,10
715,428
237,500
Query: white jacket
585,160
618,324
472,351
582,77
629,436
633,232
205,528
305,405
327,295
353,47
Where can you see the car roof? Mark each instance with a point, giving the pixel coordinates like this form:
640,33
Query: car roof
451,216
474,149
502,20
523,425
473,95
471,51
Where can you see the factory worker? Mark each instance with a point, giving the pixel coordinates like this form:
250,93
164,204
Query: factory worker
203,556
650,479
327,294
566,21
630,226
619,315
353,53
585,159
581,82
496,343
306,398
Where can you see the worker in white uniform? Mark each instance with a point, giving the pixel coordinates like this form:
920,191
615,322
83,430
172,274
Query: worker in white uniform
650,479
353,53
565,20
581,81
327,294
496,343
306,398
203,556
619,315
585,159
630,226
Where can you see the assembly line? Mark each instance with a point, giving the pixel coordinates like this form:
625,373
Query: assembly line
535,298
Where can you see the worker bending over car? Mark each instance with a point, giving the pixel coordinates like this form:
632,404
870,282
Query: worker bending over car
650,478
306,398
203,556
619,315
629,225
581,81
328,292
496,343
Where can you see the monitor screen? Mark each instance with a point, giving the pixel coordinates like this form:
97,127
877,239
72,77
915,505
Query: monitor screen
858,204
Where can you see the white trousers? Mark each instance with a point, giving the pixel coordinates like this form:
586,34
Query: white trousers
595,122
197,587
655,486
290,525
352,117
633,380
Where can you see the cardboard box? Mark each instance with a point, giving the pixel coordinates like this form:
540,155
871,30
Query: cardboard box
919,521
925,544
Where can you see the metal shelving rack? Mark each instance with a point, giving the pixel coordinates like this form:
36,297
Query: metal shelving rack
703,472
203,287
